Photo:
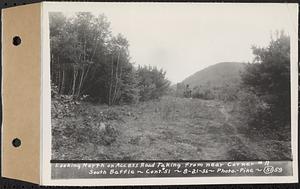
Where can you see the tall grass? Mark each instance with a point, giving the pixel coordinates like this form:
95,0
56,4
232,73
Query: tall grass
172,108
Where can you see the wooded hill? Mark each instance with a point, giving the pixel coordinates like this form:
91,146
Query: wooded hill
217,75
220,81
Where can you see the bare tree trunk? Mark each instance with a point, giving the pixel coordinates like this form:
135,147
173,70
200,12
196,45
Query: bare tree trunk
59,80
117,93
120,79
111,80
60,77
84,50
82,88
96,46
63,81
75,72
117,81
84,71
81,81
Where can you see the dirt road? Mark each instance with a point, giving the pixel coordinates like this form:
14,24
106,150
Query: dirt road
193,130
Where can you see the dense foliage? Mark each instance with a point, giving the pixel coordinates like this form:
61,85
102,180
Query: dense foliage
87,59
267,83
226,92
152,82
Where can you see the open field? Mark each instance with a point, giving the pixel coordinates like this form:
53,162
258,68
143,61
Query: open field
167,129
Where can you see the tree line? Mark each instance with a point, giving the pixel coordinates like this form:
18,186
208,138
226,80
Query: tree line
87,59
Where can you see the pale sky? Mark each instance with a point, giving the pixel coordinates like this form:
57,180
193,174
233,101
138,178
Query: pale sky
184,38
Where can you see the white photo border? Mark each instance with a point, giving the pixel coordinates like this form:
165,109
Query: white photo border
292,10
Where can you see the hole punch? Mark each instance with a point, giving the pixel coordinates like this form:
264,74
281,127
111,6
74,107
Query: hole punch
17,40
16,142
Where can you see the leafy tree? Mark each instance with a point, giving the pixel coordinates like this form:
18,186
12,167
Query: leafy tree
152,82
86,59
268,78
203,92
81,48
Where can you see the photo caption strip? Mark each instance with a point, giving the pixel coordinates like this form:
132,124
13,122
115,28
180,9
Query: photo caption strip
84,170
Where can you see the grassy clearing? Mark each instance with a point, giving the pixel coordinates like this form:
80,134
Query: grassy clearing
167,129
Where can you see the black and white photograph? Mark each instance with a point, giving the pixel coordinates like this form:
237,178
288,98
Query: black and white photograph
165,83
178,90
195,93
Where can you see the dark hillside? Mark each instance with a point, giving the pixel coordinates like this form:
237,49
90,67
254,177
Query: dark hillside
217,75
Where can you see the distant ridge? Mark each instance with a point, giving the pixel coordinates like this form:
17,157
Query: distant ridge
217,75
